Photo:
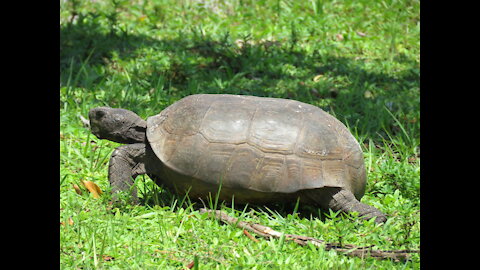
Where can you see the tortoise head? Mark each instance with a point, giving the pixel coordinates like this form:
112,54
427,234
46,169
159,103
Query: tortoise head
118,125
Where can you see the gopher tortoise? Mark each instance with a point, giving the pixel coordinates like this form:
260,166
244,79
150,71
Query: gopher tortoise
257,150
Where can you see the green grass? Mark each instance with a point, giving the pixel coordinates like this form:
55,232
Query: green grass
358,60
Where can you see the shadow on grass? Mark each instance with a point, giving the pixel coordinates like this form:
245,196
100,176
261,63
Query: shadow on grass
165,198
202,64
88,41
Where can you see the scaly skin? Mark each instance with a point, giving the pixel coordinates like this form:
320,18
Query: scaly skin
339,199
126,163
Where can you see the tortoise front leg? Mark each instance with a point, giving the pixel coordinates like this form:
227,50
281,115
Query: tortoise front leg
339,199
126,163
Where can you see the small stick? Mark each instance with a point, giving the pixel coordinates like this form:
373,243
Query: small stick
347,249
250,236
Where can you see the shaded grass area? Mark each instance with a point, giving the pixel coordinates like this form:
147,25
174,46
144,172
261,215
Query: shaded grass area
358,60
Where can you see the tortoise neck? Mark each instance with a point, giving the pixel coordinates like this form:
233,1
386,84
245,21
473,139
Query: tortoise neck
134,134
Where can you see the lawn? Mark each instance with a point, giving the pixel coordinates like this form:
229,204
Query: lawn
357,60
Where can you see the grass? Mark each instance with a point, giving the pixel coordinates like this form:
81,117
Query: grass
357,60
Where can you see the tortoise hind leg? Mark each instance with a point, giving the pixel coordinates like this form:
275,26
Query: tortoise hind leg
126,163
339,199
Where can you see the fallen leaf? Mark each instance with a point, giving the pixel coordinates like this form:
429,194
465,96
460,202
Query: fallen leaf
70,221
361,34
317,78
191,265
368,94
62,224
93,188
77,189
107,258
339,37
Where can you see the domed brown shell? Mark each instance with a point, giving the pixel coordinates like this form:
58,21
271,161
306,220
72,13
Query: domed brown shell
252,143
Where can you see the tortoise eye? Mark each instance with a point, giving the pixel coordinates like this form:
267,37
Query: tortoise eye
99,113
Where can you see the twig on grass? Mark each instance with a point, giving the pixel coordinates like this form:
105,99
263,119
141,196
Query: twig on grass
249,235
346,249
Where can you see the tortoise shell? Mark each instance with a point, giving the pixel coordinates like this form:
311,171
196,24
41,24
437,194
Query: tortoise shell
256,144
